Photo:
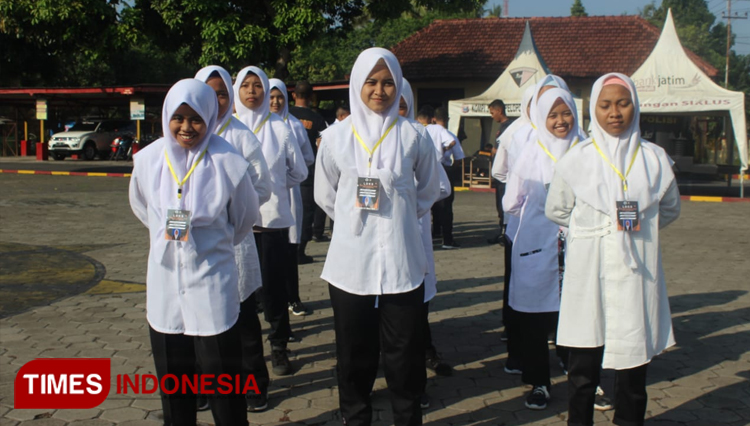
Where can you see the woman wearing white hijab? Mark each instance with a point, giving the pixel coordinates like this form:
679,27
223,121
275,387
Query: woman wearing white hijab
615,192
433,360
375,176
535,293
287,169
280,105
500,163
520,139
245,253
191,189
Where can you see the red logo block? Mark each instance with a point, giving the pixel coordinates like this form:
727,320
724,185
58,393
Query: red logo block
62,383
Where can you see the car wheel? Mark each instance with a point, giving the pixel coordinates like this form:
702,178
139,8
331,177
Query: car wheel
57,156
89,151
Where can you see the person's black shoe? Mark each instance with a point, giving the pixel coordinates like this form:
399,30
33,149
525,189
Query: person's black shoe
256,403
504,336
202,402
451,245
280,362
424,401
303,259
321,239
437,365
297,309
512,366
499,239
538,398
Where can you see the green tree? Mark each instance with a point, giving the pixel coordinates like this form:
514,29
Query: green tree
59,42
577,9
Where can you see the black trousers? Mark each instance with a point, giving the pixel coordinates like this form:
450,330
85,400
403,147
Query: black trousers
272,252
429,348
499,192
313,217
363,332
251,342
534,328
512,330
442,215
292,273
178,354
584,371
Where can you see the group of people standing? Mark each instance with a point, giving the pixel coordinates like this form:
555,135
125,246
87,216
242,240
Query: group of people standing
582,216
221,193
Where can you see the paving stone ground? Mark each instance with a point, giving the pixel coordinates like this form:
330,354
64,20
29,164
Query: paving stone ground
701,381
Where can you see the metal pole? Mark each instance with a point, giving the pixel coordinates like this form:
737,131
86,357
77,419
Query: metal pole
729,40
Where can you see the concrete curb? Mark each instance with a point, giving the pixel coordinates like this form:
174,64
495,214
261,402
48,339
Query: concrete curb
57,173
705,199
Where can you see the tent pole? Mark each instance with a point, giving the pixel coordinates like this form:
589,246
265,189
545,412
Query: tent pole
742,183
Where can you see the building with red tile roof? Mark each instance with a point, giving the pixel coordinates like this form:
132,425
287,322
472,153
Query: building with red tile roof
460,58
572,47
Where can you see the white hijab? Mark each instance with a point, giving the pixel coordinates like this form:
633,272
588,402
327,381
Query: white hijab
371,125
254,118
592,179
203,75
534,162
275,83
216,174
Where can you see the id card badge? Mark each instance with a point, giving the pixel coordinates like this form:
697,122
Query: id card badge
627,216
178,225
368,193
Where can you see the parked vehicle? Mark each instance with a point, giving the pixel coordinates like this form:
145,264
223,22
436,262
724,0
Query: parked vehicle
122,147
88,139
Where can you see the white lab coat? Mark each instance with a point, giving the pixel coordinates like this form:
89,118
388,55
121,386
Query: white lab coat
604,302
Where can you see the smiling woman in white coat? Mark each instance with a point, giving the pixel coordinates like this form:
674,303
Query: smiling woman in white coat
614,192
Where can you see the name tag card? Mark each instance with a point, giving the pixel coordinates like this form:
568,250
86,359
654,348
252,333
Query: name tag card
178,225
368,194
627,216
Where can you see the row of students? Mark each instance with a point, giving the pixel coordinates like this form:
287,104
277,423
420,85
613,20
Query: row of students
611,193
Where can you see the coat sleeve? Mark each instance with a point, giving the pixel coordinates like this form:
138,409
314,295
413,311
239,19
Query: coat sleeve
515,195
304,144
327,176
259,174
426,175
500,164
296,170
243,208
138,202
560,201
669,205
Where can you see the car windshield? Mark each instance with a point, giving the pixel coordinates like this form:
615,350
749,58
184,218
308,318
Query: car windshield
83,127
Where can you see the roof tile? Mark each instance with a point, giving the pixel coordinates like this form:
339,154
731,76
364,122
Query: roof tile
482,48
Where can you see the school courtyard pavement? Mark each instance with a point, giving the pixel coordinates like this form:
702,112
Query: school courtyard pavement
72,271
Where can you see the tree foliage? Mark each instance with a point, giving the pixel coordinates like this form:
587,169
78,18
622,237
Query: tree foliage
577,9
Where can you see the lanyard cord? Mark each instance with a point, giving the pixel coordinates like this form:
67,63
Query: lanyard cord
554,160
372,151
260,126
180,183
619,173
224,127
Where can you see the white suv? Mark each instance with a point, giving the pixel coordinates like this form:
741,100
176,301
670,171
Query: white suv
88,138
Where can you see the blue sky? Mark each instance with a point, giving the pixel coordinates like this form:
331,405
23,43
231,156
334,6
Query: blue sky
523,8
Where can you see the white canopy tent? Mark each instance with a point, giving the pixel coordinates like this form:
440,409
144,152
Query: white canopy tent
669,82
526,69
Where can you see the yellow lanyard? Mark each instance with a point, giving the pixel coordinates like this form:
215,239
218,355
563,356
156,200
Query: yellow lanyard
224,127
260,126
550,154
372,151
190,172
619,173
